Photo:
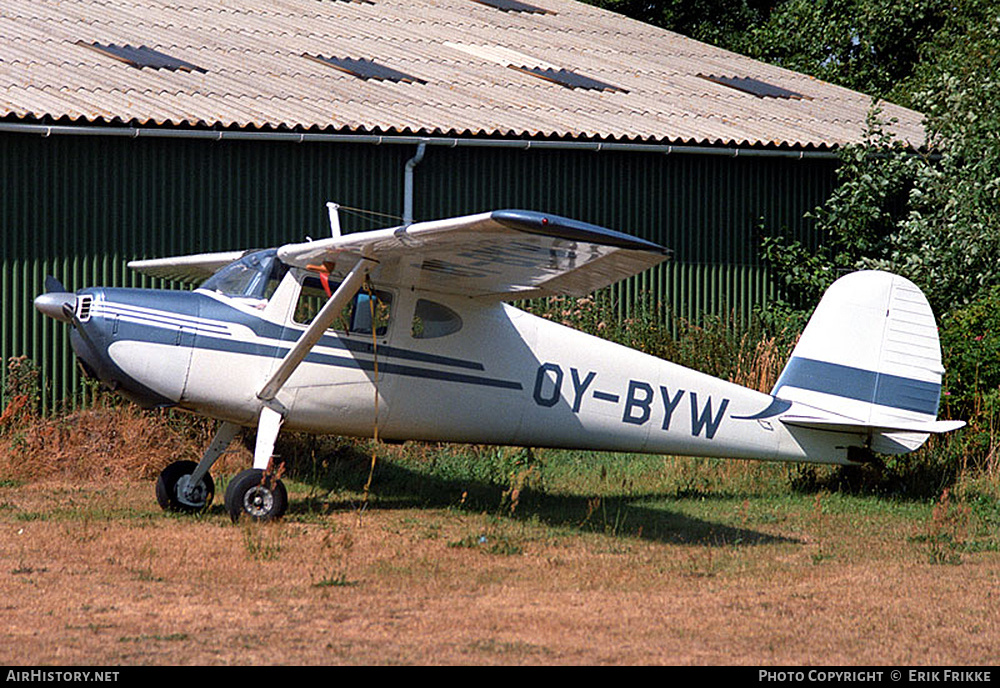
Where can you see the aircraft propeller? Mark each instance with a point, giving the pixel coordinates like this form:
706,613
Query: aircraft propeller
56,302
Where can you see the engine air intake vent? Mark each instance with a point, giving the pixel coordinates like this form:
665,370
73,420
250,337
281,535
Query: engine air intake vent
83,305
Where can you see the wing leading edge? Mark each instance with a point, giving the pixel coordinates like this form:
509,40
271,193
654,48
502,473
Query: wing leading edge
192,269
509,254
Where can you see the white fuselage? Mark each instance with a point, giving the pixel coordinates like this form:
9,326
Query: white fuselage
503,377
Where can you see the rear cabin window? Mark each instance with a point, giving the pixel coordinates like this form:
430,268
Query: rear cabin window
432,320
355,318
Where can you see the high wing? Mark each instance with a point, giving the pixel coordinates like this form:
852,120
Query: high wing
507,254
192,269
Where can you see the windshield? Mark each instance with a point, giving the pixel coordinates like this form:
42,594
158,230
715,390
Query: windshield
255,275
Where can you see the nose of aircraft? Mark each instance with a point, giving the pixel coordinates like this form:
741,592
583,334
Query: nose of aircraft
92,336
59,305
56,302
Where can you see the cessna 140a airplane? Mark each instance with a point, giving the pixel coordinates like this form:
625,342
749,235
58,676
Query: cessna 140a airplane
409,329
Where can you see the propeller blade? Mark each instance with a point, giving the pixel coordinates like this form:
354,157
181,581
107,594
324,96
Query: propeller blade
52,285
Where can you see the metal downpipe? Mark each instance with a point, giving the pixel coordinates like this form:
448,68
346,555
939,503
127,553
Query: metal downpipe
408,183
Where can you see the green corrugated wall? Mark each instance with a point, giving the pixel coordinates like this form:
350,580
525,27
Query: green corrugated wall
79,207
708,209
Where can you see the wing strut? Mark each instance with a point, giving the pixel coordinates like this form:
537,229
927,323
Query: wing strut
272,413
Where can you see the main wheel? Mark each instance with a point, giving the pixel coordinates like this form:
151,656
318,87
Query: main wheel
174,491
255,496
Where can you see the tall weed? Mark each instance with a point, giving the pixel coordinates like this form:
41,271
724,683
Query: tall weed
22,392
722,346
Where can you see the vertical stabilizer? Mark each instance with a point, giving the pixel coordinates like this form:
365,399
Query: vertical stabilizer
869,358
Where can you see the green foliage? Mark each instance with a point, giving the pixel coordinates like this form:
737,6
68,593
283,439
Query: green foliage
970,342
934,219
918,475
749,352
982,496
713,347
491,541
947,531
335,580
871,46
22,392
950,240
961,524
638,325
262,541
855,224
719,22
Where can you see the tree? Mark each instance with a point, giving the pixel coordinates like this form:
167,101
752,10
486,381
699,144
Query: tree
719,22
855,224
871,46
950,240
934,214
931,215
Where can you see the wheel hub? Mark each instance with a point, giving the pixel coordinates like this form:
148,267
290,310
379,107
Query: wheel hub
189,494
258,501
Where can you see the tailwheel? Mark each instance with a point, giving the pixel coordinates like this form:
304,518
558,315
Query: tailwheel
257,496
175,492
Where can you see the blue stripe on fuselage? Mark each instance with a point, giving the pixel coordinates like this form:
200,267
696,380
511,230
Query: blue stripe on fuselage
153,331
193,304
215,310
253,349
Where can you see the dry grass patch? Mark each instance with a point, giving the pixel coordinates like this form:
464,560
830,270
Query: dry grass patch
122,583
597,561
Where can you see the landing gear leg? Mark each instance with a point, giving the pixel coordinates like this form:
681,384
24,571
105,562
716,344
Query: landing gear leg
267,434
256,493
186,486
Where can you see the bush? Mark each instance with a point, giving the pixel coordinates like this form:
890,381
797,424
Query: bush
722,346
970,344
22,393
638,325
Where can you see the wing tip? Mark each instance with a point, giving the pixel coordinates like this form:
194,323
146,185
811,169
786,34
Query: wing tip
546,224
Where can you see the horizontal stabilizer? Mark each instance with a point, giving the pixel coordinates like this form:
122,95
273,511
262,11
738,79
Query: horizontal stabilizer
849,425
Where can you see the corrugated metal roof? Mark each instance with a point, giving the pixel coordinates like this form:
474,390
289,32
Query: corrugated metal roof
257,73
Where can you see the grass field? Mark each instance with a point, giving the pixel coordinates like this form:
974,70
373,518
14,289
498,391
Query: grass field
484,555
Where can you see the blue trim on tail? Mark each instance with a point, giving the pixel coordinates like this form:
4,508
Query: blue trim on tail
861,385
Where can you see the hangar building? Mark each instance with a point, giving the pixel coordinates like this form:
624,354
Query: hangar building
135,128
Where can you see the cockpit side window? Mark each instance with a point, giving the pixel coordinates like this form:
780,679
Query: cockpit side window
356,317
432,320
254,276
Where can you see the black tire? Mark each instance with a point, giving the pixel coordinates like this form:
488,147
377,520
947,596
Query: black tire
251,495
167,493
